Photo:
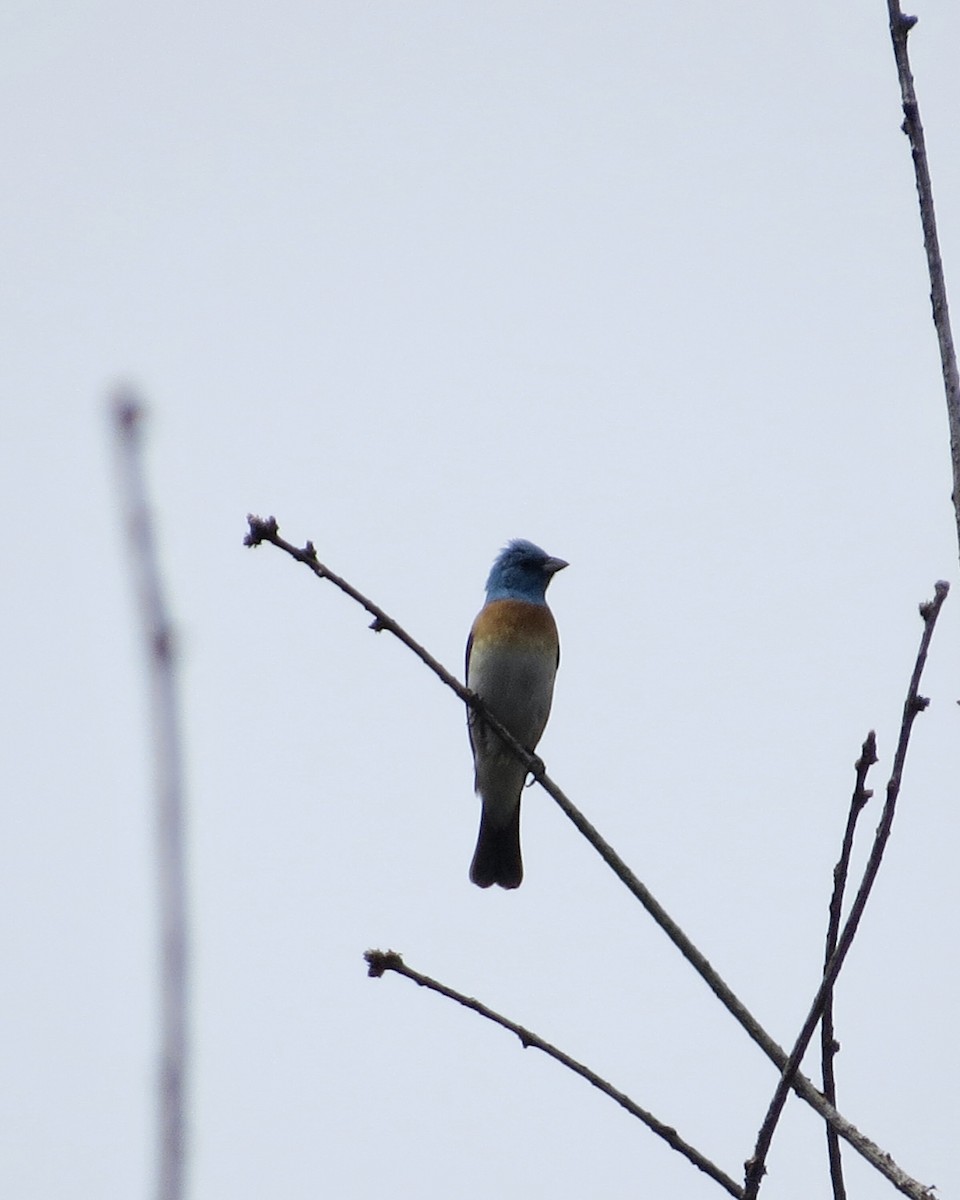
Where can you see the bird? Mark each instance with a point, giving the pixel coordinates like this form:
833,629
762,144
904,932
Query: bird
513,652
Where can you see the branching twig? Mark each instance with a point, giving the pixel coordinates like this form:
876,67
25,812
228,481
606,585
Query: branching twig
900,27
158,636
914,704
267,531
828,1043
380,961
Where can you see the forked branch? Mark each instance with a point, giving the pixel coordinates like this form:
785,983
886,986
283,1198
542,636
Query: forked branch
266,530
914,704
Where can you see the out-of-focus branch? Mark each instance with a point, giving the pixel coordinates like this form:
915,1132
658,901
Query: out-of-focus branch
828,1042
900,27
266,530
168,776
380,961
914,704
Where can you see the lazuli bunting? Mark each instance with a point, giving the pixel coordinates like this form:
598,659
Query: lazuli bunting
512,657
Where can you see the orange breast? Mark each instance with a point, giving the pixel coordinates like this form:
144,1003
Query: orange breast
516,622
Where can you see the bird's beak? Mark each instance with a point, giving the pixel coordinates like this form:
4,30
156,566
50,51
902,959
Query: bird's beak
553,565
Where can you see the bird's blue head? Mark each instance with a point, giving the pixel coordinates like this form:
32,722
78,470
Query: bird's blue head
522,571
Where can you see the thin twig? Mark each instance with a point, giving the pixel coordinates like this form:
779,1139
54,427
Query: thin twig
914,704
900,26
168,774
267,531
380,961
828,1042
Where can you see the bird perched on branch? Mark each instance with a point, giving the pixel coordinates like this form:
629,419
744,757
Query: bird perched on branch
512,657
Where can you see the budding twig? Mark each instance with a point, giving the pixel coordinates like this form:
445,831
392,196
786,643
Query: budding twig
380,962
261,530
914,704
168,771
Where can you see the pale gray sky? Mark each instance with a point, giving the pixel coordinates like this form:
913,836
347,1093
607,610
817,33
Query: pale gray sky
643,283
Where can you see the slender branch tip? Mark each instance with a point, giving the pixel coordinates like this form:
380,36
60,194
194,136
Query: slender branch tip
930,608
261,530
380,961
173,976
127,411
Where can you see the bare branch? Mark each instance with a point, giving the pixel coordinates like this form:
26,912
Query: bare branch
267,531
828,1042
900,27
379,962
914,704
168,774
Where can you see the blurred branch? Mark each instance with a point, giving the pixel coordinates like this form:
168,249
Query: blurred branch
261,530
379,962
914,704
900,27
168,775
828,1042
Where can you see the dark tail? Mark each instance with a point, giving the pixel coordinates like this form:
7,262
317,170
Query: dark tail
497,856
